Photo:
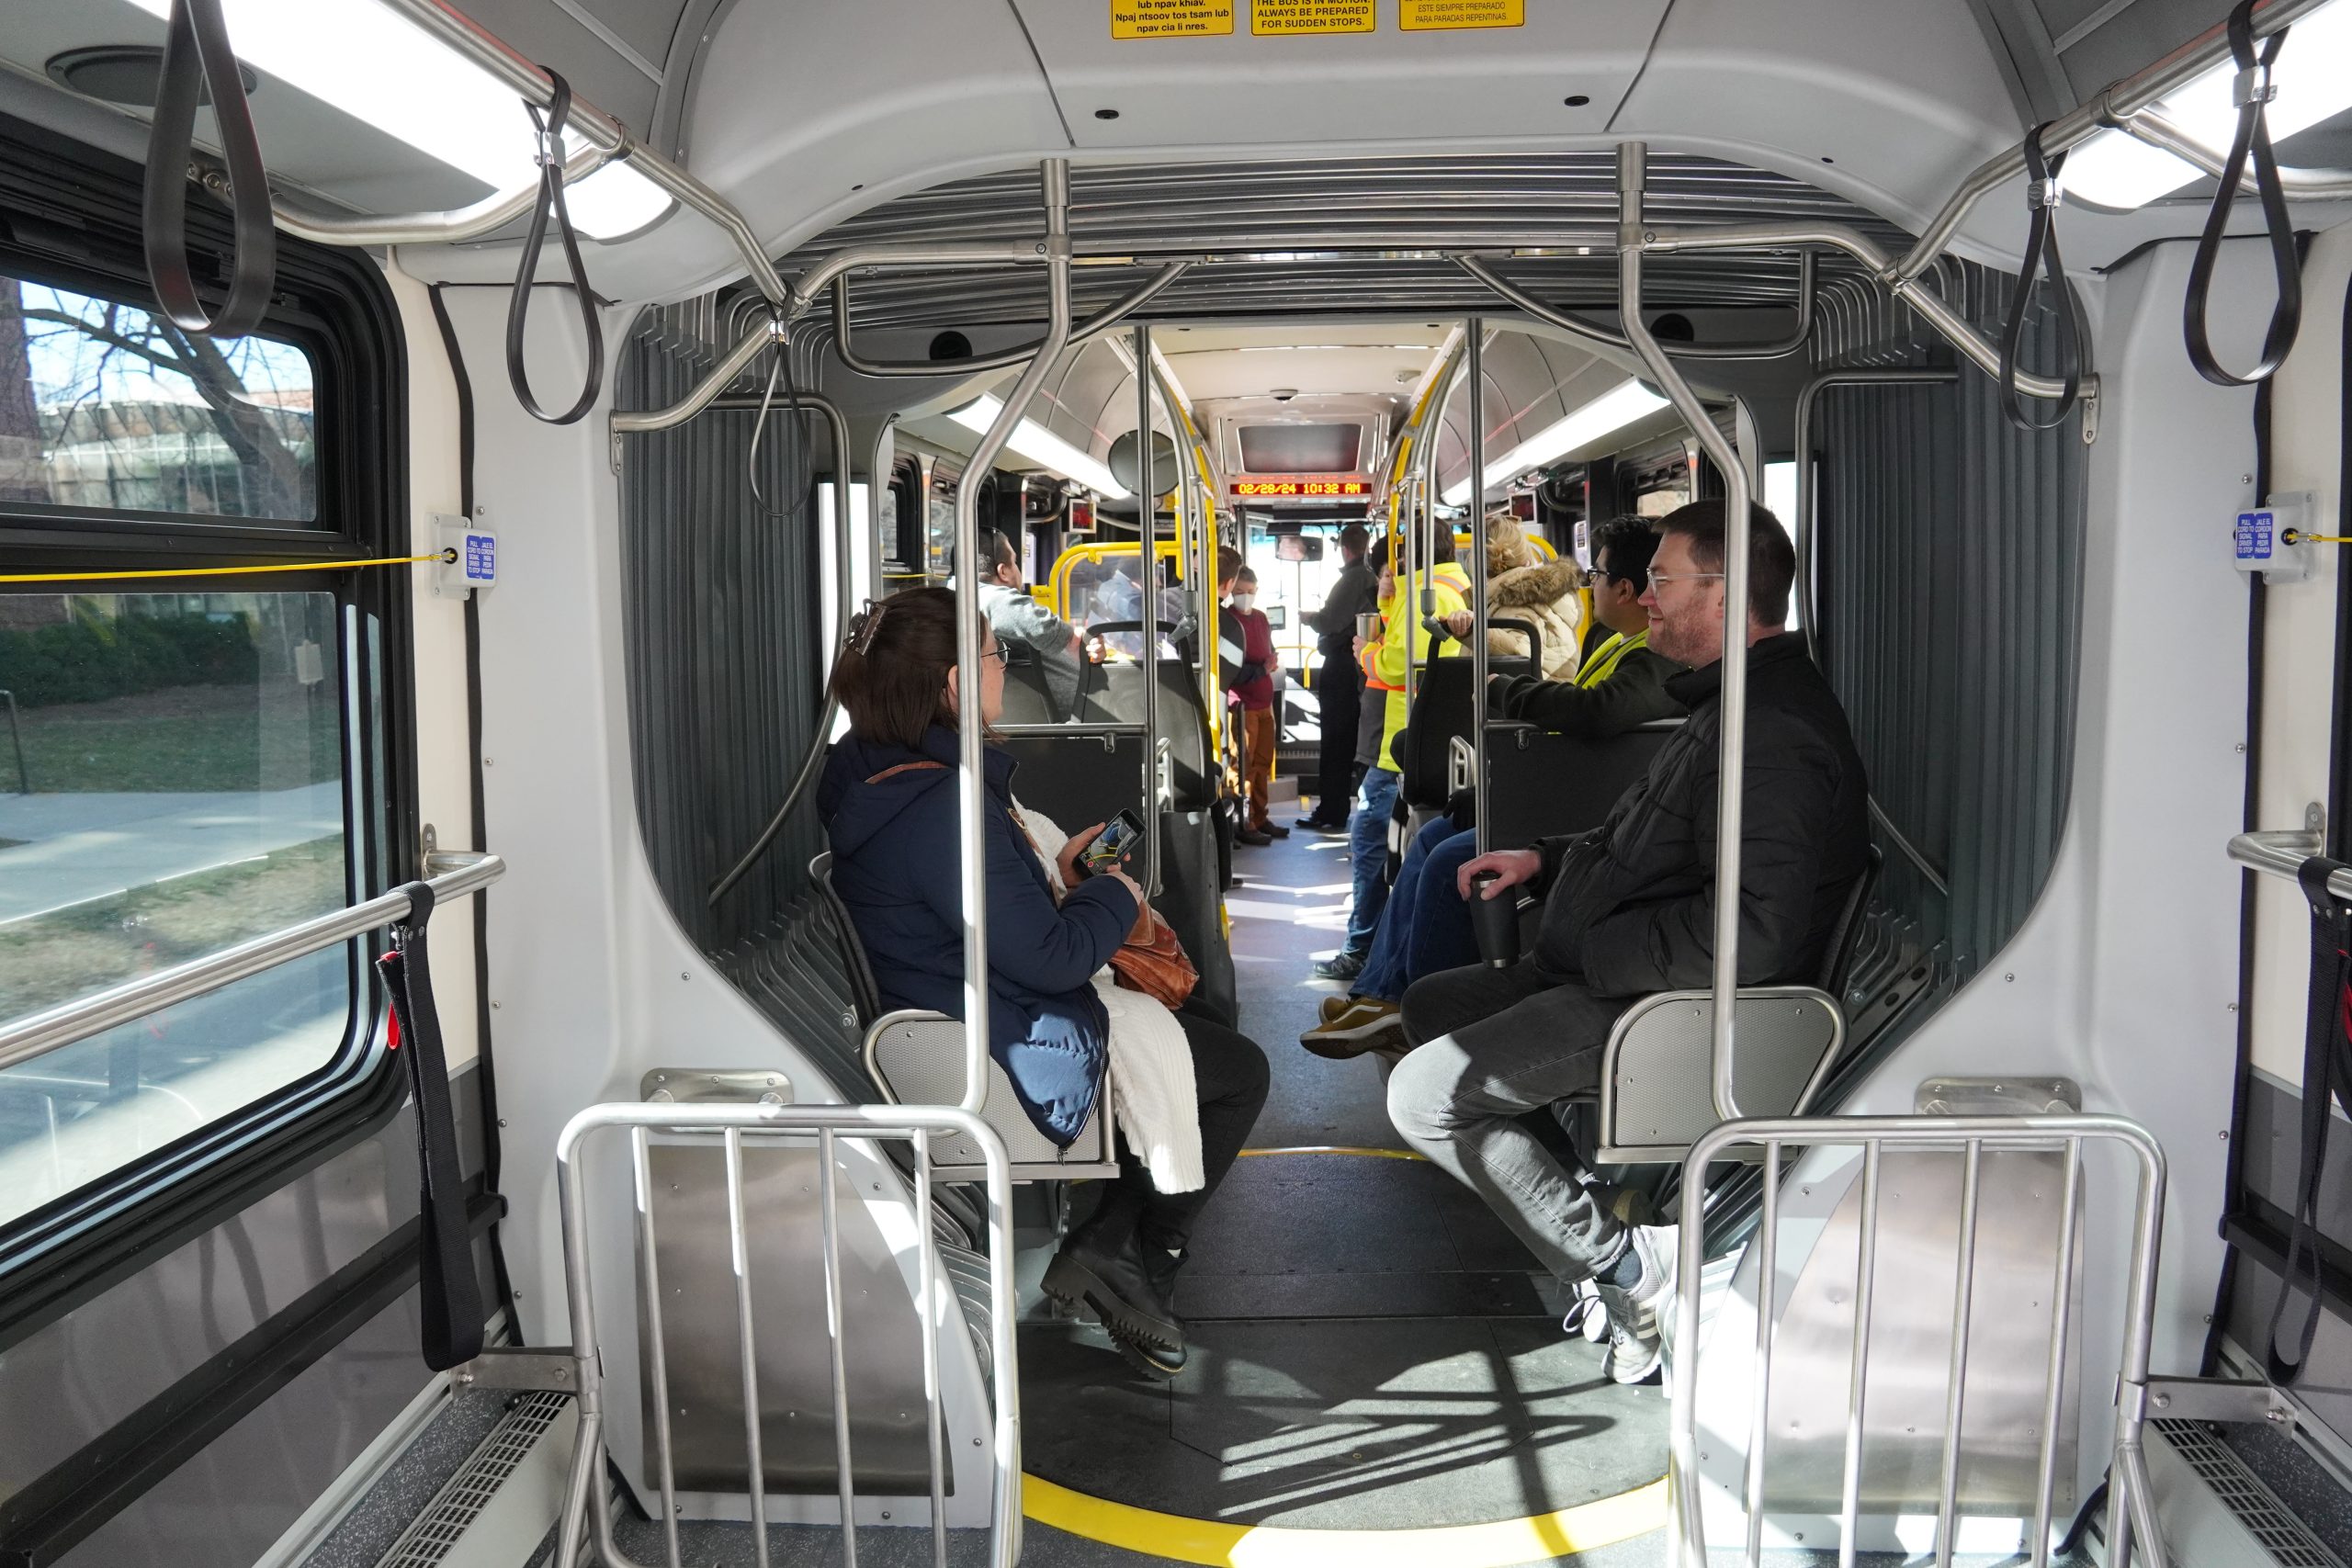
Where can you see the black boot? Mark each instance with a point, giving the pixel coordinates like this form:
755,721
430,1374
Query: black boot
1123,1292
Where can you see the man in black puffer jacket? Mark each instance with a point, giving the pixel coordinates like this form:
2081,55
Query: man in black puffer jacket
1629,908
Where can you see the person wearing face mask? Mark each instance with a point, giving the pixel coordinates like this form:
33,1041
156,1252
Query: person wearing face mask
1253,689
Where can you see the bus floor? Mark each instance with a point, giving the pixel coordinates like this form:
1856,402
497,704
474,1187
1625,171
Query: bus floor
1369,1348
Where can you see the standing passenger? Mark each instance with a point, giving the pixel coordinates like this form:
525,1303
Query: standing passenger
1339,682
1255,692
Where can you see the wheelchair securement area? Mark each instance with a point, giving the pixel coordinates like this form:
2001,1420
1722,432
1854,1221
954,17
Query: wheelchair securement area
1377,1372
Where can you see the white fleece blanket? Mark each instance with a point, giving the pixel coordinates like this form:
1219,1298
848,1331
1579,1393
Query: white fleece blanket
1150,1060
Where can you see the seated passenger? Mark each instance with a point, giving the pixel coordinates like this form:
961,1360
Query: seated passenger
1383,660
889,804
1017,618
1425,927
1629,910
1520,587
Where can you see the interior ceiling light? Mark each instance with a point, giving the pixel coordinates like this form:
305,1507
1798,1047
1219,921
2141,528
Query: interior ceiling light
2313,77
381,69
1612,411
1040,446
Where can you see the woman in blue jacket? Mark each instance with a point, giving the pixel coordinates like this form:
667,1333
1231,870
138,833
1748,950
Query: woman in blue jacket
888,799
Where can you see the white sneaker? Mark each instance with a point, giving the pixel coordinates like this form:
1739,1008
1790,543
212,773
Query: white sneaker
1587,1318
1638,1314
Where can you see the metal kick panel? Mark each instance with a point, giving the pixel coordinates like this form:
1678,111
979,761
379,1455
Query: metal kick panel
1664,1090
922,1060
1910,1344
880,1344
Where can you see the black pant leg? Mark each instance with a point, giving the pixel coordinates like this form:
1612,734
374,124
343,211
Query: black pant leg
1339,695
1231,1079
1442,1003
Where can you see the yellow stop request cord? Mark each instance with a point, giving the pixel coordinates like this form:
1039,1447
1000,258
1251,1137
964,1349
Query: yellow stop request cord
443,556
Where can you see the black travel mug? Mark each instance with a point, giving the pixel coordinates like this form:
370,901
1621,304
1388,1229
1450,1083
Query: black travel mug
1495,919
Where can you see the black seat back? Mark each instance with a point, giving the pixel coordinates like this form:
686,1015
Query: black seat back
1028,695
1441,713
1540,785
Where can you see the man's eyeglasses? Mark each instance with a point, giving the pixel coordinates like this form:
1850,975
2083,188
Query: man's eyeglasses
1001,653
1659,578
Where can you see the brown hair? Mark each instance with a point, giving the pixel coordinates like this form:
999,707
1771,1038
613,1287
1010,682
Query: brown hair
891,679
1771,560
1229,562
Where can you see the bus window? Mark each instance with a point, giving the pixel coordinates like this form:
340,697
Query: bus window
104,407
174,765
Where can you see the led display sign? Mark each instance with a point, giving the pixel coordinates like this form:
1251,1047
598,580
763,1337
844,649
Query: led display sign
1252,489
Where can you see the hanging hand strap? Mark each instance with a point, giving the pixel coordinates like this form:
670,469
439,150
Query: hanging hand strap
2252,92
449,1297
2327,1072
198,60
549,133
2042,195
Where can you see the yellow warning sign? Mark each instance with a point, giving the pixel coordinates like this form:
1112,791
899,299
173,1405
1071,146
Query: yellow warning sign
1170,18
1437,16
1276,16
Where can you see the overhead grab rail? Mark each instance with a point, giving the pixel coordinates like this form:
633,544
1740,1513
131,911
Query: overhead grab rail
548,131
1108,317
2117,105
2252,92
198,63
1593,333
450,875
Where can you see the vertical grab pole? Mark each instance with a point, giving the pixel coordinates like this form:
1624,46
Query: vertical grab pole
878,489
1632,162
1956,1377
971,778
1147,519
656,1352
2054,1368
1768,1294
1859,1373
2131,1404
1477,372
739,1245
837,1331
935,1436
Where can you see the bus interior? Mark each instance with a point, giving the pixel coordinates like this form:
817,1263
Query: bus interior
446,445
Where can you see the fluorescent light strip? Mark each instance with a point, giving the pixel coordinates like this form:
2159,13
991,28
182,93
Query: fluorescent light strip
2314,81
1614,410
1040,446
382,70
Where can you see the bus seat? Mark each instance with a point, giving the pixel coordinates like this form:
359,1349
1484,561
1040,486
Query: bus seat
917,1058
1028,696
1540,785
1657,1077
1442,704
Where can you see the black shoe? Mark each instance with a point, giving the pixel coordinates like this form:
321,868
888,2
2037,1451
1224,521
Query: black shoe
1160,1267
1122,1292
1345,966
1251,837
1321,824
1273,829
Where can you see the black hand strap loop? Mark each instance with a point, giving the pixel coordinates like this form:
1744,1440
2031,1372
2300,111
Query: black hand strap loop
2328,1073
2043,194
548,132
2252,92
449,1297
198,62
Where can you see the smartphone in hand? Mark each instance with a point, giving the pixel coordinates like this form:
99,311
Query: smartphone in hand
1117,845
